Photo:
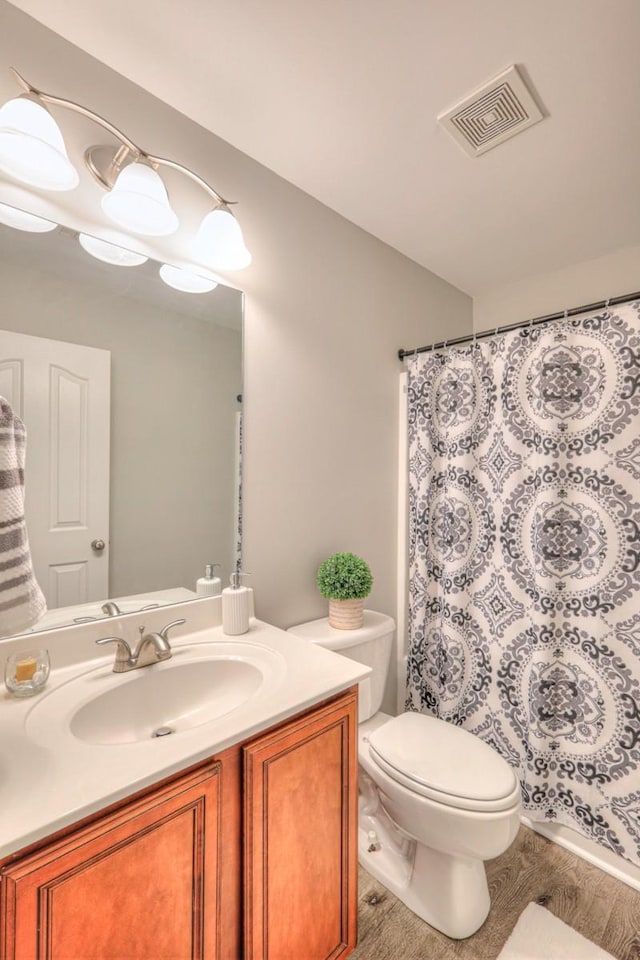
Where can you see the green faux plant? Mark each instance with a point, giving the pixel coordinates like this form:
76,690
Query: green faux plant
344,576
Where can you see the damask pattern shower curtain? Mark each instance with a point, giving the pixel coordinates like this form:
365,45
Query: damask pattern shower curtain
524,623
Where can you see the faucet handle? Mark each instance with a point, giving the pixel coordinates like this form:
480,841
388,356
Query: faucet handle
123,653
174,623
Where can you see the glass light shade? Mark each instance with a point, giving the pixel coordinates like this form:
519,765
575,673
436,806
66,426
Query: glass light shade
138,202
32,149
21,220
110,252
219,241
185,280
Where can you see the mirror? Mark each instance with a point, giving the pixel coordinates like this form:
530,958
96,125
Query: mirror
130,390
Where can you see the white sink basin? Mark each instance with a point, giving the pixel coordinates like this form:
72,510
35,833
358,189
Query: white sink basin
200,684
186,696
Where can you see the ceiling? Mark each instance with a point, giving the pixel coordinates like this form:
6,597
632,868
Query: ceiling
340,98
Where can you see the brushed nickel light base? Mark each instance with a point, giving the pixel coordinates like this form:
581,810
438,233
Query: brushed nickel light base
104,163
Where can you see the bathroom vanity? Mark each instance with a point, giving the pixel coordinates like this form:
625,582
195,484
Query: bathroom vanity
244,848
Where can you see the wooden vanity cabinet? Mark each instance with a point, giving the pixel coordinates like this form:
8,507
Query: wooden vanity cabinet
248,856
140,882
301,863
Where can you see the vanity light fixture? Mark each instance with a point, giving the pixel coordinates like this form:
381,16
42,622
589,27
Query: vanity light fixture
219,238
185,280
110,252
31,146
138,202
21,220
32,150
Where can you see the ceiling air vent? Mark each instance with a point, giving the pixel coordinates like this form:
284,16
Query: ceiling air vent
492,114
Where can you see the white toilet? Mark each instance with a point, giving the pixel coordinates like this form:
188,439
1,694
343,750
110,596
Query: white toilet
435,801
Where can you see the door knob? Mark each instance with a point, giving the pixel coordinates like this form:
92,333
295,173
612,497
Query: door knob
98,544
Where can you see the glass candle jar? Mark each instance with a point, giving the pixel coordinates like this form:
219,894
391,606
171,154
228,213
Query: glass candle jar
27,672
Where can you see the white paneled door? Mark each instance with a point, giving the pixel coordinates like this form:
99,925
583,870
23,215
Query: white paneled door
62,392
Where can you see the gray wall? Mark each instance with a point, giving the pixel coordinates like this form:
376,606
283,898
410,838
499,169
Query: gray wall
174,382
587,282
327,307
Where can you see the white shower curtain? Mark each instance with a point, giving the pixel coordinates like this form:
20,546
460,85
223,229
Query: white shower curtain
524,624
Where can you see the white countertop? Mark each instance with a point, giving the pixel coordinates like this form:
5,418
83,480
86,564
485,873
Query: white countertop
51,779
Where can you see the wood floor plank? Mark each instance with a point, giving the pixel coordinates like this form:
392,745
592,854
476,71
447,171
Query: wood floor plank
533,869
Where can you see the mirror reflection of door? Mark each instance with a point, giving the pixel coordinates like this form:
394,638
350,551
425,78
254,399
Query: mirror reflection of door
62,393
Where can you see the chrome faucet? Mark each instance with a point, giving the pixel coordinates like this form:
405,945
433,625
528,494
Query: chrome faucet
111,608
151,648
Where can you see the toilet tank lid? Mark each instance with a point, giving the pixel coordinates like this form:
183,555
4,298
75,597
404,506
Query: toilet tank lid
443,757
318,631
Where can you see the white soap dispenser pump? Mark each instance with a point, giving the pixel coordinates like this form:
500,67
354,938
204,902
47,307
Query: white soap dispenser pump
235,607
209,585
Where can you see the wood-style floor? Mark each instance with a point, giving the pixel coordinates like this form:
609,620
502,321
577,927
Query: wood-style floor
601,908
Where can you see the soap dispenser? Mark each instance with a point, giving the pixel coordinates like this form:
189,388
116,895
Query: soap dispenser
235,607
209,585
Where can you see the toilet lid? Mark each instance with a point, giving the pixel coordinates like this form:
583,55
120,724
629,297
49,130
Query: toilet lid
444,762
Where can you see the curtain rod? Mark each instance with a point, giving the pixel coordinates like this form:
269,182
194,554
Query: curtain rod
587,308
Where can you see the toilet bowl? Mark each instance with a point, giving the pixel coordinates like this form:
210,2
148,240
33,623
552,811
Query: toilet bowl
435,801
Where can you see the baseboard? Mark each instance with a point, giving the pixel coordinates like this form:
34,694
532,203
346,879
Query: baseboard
588,850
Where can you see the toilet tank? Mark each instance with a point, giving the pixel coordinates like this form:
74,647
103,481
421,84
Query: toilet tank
370,644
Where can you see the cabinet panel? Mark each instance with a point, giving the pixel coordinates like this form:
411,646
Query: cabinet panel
301,837
135,884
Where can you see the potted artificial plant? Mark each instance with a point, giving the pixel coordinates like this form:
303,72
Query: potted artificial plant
345,580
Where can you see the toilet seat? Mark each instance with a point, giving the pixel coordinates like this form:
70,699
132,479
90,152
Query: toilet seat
444,763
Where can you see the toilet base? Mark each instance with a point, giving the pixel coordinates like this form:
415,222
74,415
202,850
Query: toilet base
449,893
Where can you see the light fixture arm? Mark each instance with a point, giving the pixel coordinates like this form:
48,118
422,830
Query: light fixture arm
130,146
174,165
77,108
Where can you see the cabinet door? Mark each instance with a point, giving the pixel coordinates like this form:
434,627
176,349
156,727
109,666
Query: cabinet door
301,837
135,884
